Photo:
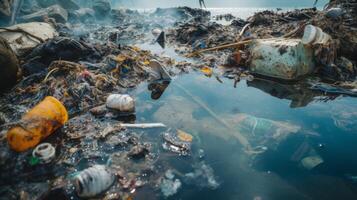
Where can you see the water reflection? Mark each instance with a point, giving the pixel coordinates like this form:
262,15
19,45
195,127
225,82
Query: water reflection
157,88
295,153
299,93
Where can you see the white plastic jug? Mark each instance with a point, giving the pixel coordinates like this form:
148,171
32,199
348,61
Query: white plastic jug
121,102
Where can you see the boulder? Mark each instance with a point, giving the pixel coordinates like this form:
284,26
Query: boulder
102,8
66,4
5,7
84,14
55,11
5,11
9,65
21,36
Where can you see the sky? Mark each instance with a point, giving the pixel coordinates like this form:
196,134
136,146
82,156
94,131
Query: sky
223,3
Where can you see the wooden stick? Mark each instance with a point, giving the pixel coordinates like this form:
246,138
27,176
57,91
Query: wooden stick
146,125
226,46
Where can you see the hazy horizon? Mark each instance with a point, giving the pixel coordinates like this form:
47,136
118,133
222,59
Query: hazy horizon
220,4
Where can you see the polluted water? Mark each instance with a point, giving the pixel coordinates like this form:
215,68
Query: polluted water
108,102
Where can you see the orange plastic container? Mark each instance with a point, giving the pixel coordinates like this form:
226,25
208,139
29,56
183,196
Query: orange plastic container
37,124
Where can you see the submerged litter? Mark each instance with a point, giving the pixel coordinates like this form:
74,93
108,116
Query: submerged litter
93,181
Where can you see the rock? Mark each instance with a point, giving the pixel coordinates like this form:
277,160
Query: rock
334,13
5,10
46,3
21,42
5,7
55,11
66,4
102,8
84,14
9,65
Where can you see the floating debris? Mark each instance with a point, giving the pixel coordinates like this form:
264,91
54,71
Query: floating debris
174,144
311,162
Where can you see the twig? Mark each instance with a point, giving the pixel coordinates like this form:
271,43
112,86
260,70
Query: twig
49,73
294,31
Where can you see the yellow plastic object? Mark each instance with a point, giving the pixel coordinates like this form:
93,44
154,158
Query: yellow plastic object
183,136
207,71
40,122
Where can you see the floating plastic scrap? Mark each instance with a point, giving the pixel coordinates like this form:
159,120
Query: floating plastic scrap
176,145
182,135
311,162
93,181
37,124
207,71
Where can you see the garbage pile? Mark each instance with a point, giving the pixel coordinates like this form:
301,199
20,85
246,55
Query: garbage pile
319,43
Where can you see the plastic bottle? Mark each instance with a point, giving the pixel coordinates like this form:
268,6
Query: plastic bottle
315,35
37,124
121,103
93,181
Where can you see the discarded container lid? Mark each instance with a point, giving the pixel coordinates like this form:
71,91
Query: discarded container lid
121,102
93,181
314,35
45,152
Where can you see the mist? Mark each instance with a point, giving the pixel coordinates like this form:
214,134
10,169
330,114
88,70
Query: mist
219,4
